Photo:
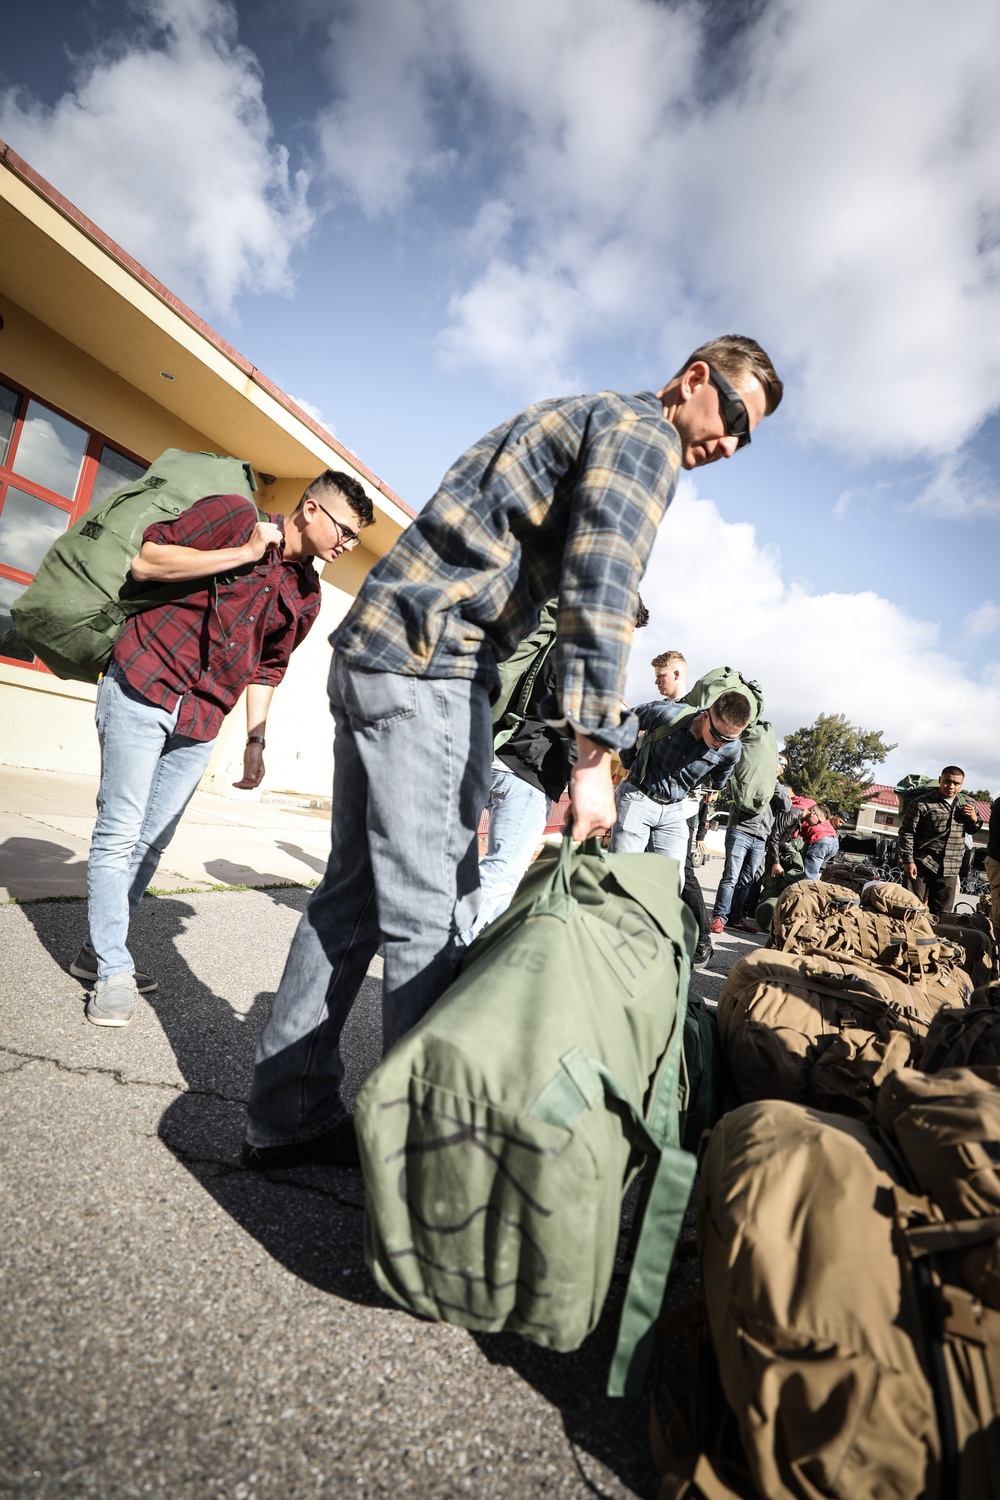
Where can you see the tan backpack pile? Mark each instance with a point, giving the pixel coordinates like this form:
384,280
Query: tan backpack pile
965,1038
886,928
817,1344
946,1128
803,904
973,935
851,1301
813,1030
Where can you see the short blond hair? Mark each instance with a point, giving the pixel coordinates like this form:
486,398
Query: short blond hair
735,356
666,659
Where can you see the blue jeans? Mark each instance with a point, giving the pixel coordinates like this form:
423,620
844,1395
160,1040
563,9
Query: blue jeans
641,822
148,776
744,852
518,813
411,767
815,856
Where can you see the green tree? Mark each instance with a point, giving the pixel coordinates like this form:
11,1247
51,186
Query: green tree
834,762
980,796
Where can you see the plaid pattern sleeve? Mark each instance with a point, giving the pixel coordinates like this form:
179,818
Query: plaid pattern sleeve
562,501
933,834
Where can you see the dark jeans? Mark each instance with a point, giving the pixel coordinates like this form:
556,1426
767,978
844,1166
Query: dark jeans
744,853
938,891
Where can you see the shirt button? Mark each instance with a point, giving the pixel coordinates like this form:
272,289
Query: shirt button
249,617
267,589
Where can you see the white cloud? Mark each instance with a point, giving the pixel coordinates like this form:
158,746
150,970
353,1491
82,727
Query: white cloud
316,414
165,142
983,621
959,490
840,201
378,136
720,598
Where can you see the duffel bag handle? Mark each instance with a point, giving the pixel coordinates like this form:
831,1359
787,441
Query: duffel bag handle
556,898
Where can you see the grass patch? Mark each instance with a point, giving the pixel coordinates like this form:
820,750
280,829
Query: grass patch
184,890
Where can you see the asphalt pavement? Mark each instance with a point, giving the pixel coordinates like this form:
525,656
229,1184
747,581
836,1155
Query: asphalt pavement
175,1325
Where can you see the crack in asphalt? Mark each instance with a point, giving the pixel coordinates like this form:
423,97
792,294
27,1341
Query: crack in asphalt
120,1077
221,1166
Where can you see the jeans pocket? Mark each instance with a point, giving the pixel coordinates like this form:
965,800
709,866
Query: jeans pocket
102,703
376,699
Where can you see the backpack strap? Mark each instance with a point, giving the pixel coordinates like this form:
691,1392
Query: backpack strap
663,1219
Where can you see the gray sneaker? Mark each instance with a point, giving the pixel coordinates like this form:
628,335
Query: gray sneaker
112,1002
84,966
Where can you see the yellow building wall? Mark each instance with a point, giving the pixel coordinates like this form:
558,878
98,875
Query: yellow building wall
47,724
57,371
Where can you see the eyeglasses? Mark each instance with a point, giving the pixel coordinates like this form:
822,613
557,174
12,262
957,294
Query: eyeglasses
344,533
723,739
734,412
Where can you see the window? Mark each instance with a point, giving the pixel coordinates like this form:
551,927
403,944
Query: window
52,470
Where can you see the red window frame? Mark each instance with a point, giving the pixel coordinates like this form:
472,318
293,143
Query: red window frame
75,507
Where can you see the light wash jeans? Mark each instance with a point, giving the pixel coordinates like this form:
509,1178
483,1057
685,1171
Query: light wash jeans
744,852
148,776
641,822
411,768
518,814
816,855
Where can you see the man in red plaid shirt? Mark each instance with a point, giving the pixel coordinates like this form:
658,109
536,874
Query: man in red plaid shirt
176,671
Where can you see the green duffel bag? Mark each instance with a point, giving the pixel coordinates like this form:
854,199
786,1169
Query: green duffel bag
498,1136
73,612
709,1084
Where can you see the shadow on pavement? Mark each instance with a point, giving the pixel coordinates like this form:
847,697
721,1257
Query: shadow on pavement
25,865
311,1220
318,866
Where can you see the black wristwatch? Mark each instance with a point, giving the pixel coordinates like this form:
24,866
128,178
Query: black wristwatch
256,739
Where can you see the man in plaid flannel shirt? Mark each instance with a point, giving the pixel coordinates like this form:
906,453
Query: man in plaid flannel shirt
564,500
176,671
931,841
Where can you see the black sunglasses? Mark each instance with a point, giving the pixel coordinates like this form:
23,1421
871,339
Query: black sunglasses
345,534
734,412
724,739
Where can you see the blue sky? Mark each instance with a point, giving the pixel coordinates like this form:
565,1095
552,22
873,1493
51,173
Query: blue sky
419,215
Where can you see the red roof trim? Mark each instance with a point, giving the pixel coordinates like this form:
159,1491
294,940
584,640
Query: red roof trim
885,796
69,211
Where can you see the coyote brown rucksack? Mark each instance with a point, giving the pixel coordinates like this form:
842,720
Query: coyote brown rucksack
904,945
809,1029
947,1130
73,613
818,1345
498,1136
803,902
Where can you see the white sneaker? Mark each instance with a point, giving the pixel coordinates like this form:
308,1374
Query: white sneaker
112,1002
